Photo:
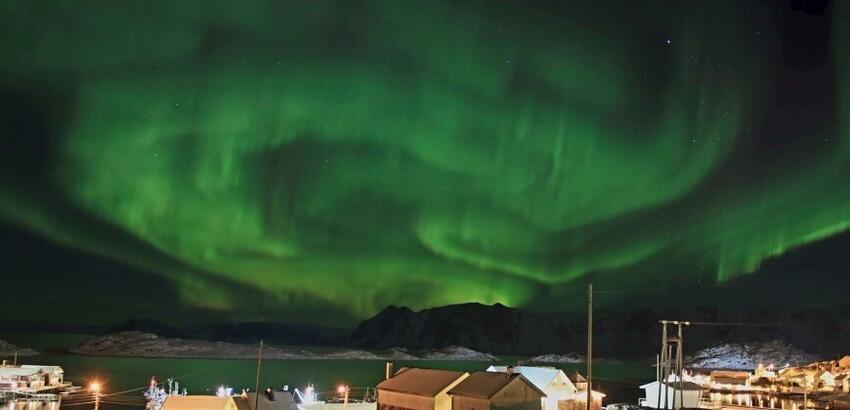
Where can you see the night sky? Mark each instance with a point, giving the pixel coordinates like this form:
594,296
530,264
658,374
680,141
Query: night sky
319,160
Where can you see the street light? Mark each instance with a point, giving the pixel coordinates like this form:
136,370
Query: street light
343,391
95,389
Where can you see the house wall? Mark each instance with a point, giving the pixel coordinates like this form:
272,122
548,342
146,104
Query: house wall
469,403
443,401
53,379
827,381
390,400
560,389
575,404
517,395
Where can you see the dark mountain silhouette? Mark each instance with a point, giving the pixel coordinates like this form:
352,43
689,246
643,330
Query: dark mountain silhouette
622,334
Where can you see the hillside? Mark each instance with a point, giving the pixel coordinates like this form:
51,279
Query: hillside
631,334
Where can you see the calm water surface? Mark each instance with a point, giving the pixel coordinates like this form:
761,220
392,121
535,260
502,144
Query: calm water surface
202,376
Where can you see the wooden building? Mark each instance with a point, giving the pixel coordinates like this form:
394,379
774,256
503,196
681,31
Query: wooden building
205,403
418,389
271,400
496,391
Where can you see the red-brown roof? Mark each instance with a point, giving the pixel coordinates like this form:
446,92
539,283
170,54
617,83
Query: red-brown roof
199,402
420,382
485,384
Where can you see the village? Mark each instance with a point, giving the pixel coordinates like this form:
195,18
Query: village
831,376
821,385
410,388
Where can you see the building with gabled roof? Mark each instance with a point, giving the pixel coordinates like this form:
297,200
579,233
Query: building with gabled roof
496,391
418,389
561,393
53,375
199,402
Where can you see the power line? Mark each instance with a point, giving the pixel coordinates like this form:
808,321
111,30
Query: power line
767,324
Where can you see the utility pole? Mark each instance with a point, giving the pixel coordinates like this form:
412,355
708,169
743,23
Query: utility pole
257,384
671,364
589,345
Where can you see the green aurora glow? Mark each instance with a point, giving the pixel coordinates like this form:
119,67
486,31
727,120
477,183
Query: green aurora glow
416,153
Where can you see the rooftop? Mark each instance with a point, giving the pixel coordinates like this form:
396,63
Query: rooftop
282,400
577,378
539,376
485,384
18,371
686,386
204,403
46,368
420,382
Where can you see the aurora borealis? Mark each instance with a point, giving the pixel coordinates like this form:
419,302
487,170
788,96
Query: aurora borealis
355,154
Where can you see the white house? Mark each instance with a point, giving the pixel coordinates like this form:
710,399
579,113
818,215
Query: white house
824,380
690,395
554,382
560,390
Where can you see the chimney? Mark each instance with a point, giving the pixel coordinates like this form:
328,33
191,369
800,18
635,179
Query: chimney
510,371
388,372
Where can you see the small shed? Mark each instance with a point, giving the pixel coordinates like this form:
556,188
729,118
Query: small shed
418,389
496,391
690,395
